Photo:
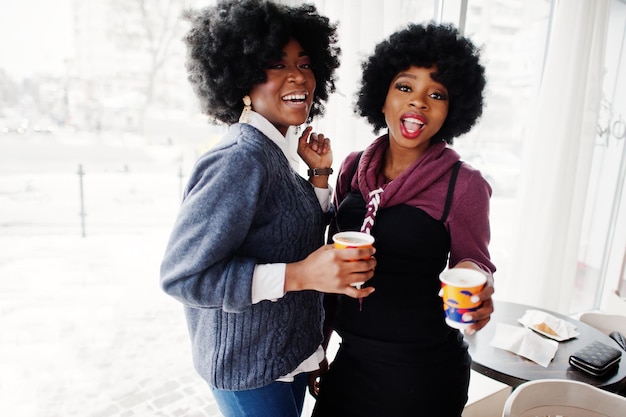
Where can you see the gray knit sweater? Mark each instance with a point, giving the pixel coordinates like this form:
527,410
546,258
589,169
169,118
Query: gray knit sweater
244,205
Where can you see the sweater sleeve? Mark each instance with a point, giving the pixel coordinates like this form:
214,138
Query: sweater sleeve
468,221
201,266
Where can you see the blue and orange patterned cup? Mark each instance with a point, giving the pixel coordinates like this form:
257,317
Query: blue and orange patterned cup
458,286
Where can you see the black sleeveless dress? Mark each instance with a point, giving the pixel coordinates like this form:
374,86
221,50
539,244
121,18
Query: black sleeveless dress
397,357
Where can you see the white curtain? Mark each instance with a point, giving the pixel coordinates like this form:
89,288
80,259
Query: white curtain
558,148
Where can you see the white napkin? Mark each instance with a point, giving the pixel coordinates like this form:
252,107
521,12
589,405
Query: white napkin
524,342
547,325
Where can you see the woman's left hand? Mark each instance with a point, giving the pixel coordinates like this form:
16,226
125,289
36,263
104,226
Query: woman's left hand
314,378
314,149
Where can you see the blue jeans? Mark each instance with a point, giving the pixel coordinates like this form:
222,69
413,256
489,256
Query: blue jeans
278,399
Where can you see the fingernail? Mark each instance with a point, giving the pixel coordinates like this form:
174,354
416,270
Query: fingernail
466,317
470,332
475,299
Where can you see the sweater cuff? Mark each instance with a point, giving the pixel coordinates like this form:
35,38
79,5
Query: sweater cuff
268,282
323,196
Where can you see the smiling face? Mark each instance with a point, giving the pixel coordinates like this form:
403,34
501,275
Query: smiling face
285,98
415,108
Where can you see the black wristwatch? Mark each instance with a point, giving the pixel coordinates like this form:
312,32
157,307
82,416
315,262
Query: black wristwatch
318,172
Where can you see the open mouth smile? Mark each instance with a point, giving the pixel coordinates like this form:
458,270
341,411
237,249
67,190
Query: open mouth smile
295,98
412,125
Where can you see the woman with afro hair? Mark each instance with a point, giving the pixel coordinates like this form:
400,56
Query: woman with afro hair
427,210
246,256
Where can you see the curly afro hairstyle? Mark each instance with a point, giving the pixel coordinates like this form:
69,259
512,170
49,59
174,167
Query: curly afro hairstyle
230,45
458,69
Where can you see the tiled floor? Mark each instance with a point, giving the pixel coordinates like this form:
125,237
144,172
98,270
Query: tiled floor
87,332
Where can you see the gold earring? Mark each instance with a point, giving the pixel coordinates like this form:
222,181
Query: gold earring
245,114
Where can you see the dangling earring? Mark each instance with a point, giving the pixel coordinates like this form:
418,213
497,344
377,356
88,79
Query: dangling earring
296,130
245,114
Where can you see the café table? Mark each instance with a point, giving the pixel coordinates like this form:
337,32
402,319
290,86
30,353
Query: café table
512,369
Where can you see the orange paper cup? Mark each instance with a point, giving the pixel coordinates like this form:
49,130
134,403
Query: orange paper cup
345,240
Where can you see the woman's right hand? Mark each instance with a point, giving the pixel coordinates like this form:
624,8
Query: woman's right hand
333,270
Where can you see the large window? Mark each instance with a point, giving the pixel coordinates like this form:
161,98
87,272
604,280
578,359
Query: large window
603,239
99,129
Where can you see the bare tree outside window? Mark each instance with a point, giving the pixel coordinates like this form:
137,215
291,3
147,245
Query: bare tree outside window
151,30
